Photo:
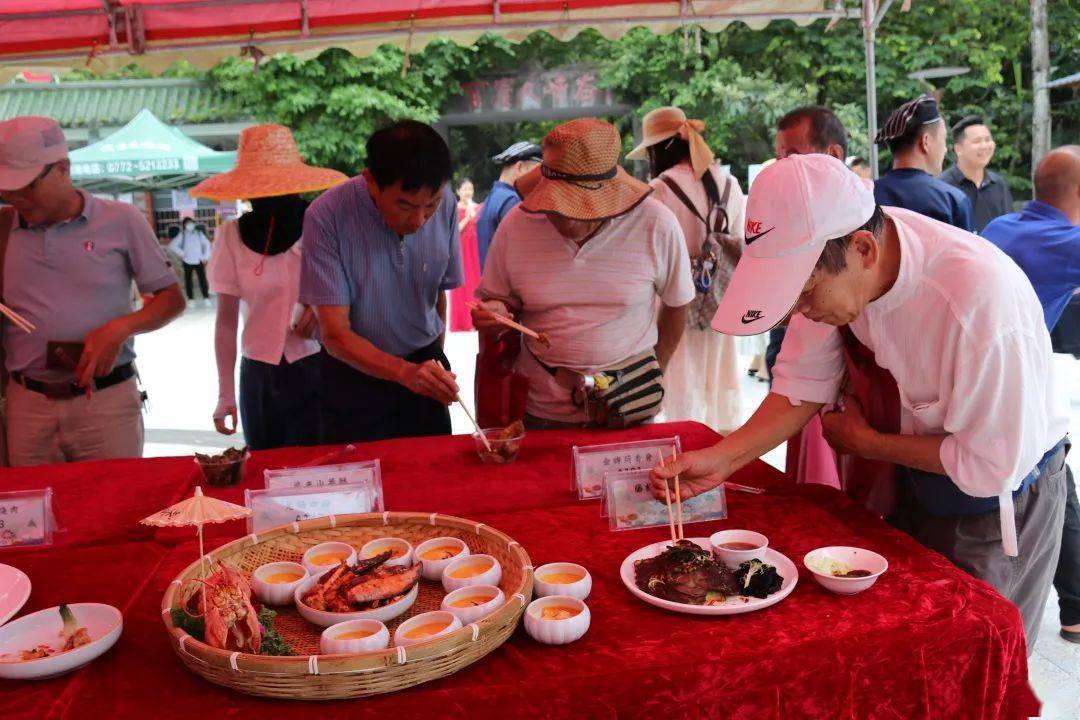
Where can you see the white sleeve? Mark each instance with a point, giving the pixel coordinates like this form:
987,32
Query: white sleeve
997,416
221,270
736,210
810,366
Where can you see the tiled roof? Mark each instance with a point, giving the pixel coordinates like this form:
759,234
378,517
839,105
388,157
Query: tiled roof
109,103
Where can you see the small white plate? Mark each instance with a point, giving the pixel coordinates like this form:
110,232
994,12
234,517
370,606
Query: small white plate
14,591
732,606
102,622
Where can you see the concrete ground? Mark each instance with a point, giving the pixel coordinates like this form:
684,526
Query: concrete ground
178,370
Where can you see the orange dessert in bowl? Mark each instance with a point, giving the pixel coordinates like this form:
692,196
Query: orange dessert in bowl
401,552
471,570
426,626
557,619
353,637
562,578
435,554
474,602
275,582
327,556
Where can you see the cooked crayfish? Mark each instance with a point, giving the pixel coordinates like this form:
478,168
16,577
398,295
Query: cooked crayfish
231,620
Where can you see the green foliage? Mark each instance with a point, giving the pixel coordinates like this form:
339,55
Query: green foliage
740,82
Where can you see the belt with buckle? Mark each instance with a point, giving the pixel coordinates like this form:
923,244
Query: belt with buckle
71,389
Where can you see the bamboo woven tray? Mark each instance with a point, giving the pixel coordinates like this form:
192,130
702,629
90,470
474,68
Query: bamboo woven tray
311,676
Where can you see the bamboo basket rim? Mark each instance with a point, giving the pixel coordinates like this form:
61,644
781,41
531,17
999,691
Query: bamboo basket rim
293,665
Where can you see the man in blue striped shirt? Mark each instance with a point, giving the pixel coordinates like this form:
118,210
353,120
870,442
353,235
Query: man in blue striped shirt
380,252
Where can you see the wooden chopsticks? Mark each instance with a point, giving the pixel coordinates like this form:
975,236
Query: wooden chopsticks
540,337
675,535
18,320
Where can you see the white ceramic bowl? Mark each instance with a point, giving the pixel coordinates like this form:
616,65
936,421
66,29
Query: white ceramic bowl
735,558
472,613
102,622
330,644
277,593
323,618
579,589
491,576
432,569
852,557
435,616
323,549
381,545
557,632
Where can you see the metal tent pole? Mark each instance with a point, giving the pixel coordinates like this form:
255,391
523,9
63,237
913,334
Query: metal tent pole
869,24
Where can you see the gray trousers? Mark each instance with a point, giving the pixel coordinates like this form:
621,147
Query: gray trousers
973,542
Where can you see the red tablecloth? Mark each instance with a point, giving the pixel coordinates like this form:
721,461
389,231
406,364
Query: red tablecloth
926,641
99,502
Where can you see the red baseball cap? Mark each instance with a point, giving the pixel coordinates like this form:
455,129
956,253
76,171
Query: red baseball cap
27,145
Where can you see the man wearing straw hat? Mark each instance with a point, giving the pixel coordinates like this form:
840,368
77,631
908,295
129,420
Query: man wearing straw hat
584,259
69,260
981,441
380,252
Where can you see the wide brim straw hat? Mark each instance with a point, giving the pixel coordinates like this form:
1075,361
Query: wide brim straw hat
580,177
268,164
667,122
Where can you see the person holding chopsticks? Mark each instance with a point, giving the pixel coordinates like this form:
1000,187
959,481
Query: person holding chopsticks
599,270
69,260
380,252
981,441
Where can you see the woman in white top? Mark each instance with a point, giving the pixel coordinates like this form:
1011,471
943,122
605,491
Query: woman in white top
255,271
702,379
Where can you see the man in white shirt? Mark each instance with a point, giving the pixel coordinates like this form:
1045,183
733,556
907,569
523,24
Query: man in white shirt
959,327
193,248
586,258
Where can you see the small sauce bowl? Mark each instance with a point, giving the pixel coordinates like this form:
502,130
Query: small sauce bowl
492,599
325,549
733,558
402,550
377,637
554,579
277,593
433,569
491,573
447,620
557,632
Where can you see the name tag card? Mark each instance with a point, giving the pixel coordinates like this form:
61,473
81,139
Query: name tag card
271,508
26,518
590,462
325,476
631,505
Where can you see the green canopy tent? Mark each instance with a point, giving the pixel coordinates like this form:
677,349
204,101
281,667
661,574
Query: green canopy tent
145,154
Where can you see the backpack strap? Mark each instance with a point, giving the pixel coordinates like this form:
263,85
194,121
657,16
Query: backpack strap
685,200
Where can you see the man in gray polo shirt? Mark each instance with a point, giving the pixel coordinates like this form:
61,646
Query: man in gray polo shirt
380,252
69,260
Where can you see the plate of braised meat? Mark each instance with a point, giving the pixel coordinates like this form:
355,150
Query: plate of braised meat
685,577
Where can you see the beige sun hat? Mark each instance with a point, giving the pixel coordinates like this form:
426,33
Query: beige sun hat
268,164
580,177
668,122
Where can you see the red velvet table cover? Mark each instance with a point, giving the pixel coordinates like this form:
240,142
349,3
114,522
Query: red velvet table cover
927,641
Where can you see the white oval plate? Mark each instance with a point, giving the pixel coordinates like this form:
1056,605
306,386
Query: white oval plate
103,623
731,606
325,619
14,591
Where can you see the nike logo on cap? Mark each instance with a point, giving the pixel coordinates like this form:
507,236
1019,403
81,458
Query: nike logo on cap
752,315
752,238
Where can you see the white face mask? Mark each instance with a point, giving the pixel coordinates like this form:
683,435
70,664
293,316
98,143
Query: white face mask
189,226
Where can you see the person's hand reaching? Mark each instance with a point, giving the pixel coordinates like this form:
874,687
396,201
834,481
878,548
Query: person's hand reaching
699,471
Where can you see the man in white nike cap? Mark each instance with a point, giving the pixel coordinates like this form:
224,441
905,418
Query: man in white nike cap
957,324
67,264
